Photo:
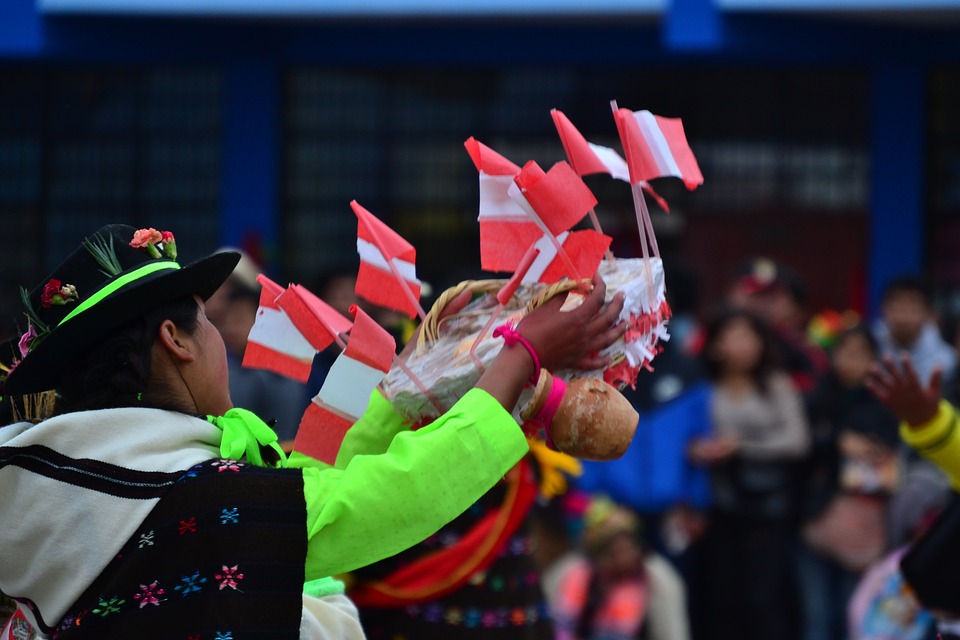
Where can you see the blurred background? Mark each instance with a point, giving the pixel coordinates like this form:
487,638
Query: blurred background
823,129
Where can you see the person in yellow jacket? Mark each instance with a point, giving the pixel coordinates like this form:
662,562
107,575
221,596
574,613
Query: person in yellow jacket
929,424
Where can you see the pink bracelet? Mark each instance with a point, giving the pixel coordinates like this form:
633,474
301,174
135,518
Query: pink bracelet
511,336
549,409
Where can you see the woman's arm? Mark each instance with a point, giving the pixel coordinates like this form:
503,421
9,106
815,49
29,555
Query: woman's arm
379,505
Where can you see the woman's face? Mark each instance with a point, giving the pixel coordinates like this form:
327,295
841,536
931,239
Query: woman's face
213,396
852,360
738,347
620,558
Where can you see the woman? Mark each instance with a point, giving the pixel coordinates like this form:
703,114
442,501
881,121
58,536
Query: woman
760,432
123,515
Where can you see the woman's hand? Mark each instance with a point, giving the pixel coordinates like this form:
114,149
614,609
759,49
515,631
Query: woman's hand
572,339
902,392
562,339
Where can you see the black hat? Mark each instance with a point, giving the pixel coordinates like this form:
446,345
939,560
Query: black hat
115,275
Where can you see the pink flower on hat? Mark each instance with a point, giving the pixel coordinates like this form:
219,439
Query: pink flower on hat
143,237
26,339
147,239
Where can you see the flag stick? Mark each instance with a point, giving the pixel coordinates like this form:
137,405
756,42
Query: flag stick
643,217
342,343
639,205
401,281
503,296
419,384
596,226
556,243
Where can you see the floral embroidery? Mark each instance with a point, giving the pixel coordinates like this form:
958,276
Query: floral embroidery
230,577
148,594
227,465
190,584
454,616
223,635
146,539
230,516
489,619
518,616
57,293
472,619
188,526
433,613
108,606
191,472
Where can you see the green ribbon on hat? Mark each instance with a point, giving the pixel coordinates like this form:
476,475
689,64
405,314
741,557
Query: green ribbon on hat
243,435
117,284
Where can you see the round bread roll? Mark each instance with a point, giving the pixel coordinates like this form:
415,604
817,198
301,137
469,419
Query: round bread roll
594,421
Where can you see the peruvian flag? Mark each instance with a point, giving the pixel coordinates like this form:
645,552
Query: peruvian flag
274,342
585,157
559,197
17,627
347,388
319,323
584,248
506,230
387,262
656,147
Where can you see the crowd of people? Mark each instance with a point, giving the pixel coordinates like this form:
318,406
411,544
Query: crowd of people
767,492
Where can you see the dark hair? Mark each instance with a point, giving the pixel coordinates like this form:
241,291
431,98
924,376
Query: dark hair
858,331
115,372
768,361
909,284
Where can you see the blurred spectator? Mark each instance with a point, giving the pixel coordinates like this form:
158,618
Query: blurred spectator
907,324
854,469
883,607
617,590
233,310
760,431
778,296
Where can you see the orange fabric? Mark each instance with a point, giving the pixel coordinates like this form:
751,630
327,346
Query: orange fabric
444,571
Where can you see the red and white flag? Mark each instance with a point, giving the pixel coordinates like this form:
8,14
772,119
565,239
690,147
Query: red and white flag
274,342
17,627
319,323
559,197
506,230
585,157
656,147
387,263
346,389
584,248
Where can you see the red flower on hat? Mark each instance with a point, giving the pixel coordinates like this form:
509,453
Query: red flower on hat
169,244
57,293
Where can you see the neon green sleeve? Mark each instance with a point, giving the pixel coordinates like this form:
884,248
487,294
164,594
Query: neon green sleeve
371,434
379,505
938,440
